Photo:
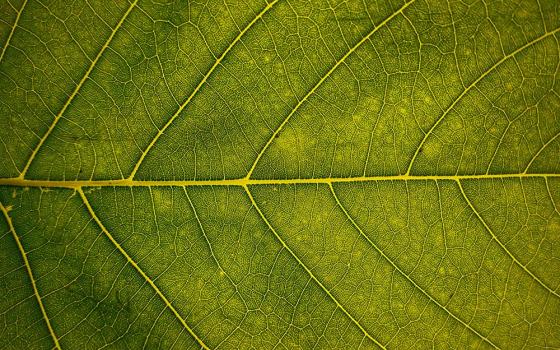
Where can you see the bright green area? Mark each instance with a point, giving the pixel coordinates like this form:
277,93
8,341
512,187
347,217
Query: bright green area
409,152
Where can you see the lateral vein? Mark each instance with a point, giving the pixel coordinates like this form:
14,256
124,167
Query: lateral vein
544,146
320,82
332,297
501,244
396,267
197,88
138,269
31,277
468,88
76,91
7,43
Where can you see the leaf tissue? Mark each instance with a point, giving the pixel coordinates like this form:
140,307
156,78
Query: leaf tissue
280,174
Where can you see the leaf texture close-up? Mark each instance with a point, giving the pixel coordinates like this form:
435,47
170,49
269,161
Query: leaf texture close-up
280,174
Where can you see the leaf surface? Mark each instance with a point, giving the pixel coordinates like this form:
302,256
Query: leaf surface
282,174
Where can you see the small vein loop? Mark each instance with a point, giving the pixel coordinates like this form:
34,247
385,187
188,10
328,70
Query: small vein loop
395,266
468,88
23,254
129,259
320,82
218,61
501,244
76,91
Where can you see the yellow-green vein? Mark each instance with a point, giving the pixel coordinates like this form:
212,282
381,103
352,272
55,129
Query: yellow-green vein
197,88
319,83
137,268
544,146
396,267
7,43
330,295
76,91
505,249
30,274
468,88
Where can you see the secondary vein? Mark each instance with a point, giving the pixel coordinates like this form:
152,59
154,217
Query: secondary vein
137,268
468,88
396,267
320,82
502,245
197,89
331,296
75,92
31,277
7,43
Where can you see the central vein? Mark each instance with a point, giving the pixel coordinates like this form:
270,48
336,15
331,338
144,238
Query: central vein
247,182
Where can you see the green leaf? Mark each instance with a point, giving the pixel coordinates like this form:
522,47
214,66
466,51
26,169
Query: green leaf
285,174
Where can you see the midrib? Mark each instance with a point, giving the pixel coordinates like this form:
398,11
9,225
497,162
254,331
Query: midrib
247,182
